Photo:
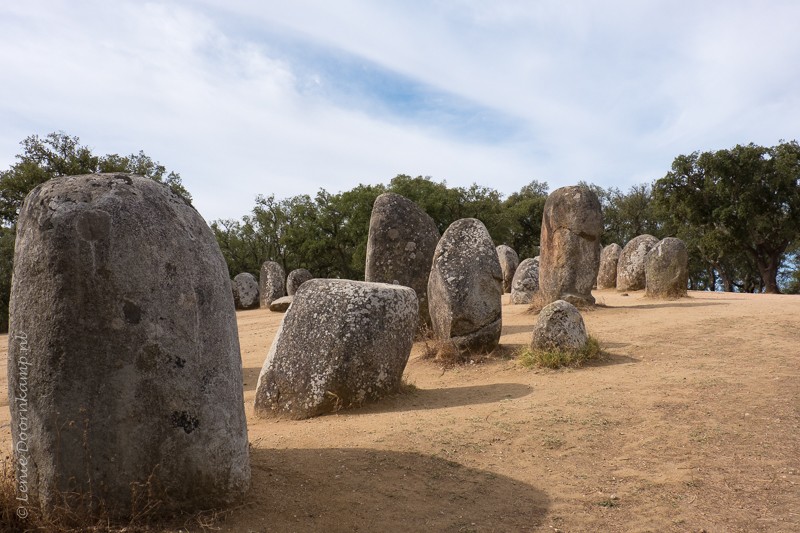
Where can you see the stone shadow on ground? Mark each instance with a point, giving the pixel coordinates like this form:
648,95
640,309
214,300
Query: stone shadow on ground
341,489
250,375
423,399
664,304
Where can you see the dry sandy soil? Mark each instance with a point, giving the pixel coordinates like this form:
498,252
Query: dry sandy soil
689,422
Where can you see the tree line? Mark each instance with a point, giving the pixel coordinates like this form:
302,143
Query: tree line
738,210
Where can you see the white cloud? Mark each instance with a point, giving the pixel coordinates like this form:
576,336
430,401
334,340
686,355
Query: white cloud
609,92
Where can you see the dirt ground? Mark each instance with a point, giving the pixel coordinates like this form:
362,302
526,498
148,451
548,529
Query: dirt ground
690,422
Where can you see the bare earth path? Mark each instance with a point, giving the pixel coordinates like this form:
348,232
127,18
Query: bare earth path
691,422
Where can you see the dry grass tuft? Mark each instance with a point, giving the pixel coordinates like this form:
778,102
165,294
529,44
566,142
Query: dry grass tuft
555,358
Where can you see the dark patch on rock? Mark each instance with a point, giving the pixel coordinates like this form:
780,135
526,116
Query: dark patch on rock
185,421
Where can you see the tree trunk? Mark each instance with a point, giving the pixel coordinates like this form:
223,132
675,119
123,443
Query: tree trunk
768,267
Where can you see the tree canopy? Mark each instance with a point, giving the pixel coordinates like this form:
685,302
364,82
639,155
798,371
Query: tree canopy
738,208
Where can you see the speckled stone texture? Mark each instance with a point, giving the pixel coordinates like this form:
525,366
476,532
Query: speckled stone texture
342,343
509,261
630,268
271,283
465,288
245,291
569,255
607,275
123,333
559,327
666,269
296,278
402,238
526,281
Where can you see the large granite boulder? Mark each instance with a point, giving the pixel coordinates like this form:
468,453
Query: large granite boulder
630,267
245,291
402,238
341,343
570,256
124,363
465,288
296,278
526,281
509,261
271,283
666,269
607,275
559,326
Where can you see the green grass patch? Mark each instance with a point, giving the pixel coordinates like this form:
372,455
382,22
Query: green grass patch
554,358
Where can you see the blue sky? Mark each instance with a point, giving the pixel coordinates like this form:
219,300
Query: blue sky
246,98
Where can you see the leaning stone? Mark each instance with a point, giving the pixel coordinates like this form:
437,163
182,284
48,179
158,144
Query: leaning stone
526,281
341,343
559,327
296,278
127,348
271,283
630,268
466,287
666,269
402,238
245,291
607,275
281,304
509,261
570,257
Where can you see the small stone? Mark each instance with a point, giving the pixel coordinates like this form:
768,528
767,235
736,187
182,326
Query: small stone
281,304
559,327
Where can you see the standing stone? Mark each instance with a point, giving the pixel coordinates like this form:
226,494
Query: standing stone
245,291
630,268
402,238
296,278
559,327
341,343
666,269
271,283
509,261
466,287
570,257
526,281
607,275
123,338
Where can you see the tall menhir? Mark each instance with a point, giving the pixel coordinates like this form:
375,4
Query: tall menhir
133,374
